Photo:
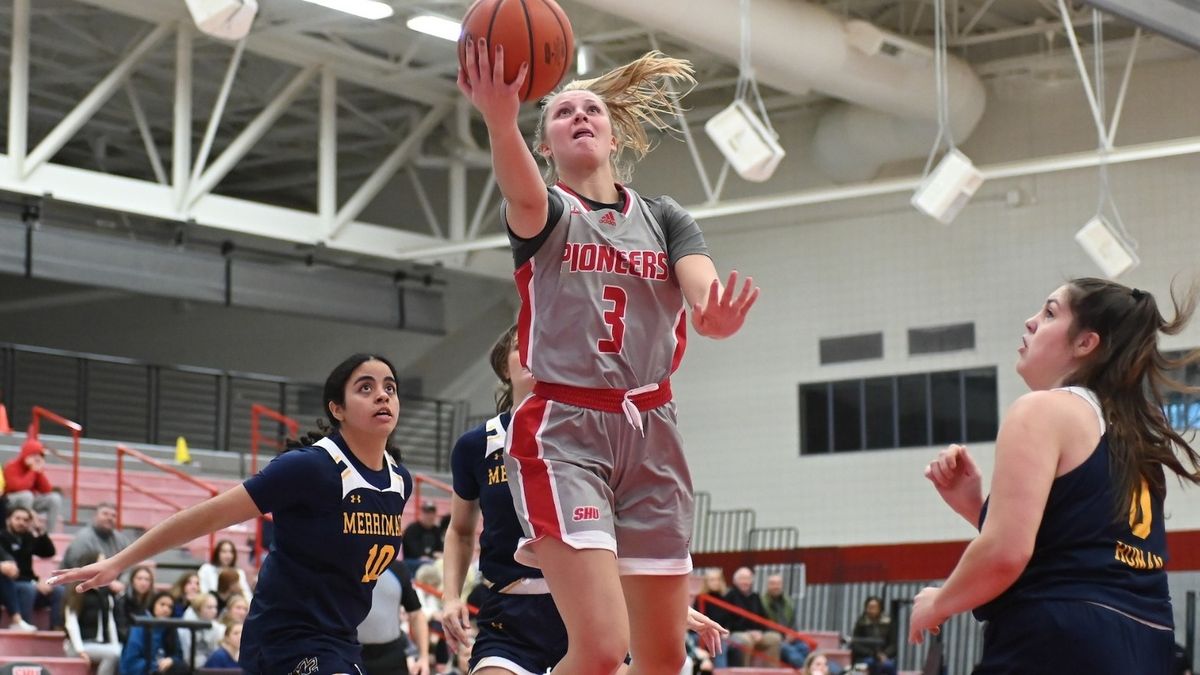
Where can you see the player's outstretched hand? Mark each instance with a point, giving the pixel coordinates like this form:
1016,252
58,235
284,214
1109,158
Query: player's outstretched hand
722,314
97,574
482,82
710,631
456,623
957,479
923,616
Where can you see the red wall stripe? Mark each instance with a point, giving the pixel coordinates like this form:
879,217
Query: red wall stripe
900,562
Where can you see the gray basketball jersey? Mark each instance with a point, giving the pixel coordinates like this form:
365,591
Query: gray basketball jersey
600,304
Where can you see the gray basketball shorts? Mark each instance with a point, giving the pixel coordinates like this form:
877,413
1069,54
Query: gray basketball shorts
589,479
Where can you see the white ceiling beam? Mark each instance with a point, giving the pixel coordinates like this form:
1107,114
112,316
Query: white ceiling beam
733,207
218,111
327,149
388,168
133,196
181,136
96,98
302,50
139,116
250,135
18,85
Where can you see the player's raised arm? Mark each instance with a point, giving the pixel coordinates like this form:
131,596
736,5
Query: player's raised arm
226,509
482,82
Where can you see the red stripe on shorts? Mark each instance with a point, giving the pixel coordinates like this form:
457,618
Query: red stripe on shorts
537,487
524,277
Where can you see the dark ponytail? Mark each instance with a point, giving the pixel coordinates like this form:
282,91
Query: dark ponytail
1131,376
499,360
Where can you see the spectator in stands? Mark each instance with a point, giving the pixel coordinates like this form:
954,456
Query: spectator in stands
8,593
423,539
236,609
714,586
100,537
23,538
229,584
135,601
782,611
873,641
26,484
91,627
431,603
183,591
166,653
385,647
816,664
747,635
226,655
224,557
202,608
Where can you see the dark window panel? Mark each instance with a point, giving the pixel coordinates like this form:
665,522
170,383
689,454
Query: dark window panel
851,348
947,403
912,401
814,418
880,412
981,403
847,415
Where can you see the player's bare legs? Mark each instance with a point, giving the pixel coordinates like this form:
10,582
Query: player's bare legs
587,591
658,622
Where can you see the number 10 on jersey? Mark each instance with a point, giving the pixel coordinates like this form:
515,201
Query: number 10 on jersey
377,561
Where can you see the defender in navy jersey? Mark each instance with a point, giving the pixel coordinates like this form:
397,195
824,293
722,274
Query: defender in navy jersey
520,630
1068,568
595,459
336,504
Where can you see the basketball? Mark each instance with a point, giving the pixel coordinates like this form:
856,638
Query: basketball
533,31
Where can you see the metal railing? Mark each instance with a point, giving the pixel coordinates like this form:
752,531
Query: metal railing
146,459
38,414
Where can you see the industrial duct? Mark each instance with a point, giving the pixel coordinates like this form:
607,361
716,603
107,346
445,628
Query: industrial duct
886,81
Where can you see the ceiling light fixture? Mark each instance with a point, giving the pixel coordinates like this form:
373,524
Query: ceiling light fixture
367,9
436,26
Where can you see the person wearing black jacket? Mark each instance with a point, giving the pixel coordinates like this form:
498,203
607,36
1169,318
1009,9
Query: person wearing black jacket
23,538
91,628
748,635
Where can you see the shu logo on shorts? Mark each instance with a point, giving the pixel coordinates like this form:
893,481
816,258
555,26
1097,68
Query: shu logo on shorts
307,666
608,219
585,513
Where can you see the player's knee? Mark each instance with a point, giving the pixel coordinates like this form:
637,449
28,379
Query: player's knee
601,656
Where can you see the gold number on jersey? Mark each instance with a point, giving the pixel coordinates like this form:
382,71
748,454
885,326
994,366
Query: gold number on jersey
1140,511
615,318
377,561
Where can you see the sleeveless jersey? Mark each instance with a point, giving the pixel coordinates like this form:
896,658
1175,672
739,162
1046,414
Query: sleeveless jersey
337,527
477,462
600,304
1082,553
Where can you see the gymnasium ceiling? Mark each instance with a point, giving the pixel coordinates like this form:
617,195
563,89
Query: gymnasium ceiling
389,77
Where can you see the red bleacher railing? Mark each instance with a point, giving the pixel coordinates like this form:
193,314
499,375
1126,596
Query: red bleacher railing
39,413
257,412
788,633
421,479
121,484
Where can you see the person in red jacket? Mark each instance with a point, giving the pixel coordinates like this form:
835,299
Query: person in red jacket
26,483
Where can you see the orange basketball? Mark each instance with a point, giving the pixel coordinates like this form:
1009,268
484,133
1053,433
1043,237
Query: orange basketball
532,31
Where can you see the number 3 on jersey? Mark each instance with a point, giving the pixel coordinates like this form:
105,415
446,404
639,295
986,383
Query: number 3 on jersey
615,319
377,561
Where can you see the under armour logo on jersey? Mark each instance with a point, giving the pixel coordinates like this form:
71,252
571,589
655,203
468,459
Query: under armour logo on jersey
355,499
585,513
575,211
608,219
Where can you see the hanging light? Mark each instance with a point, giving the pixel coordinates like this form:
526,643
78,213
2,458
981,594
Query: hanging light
367,9
437,26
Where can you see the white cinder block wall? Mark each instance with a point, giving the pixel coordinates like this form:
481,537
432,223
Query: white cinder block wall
877,265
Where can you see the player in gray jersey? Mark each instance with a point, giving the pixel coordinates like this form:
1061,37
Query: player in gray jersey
594,458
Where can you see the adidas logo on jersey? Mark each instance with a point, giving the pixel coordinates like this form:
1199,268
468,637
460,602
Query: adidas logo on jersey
608,219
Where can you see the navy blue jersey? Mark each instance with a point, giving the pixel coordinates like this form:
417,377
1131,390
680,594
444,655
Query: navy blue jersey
337,528
1083,552
478,466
